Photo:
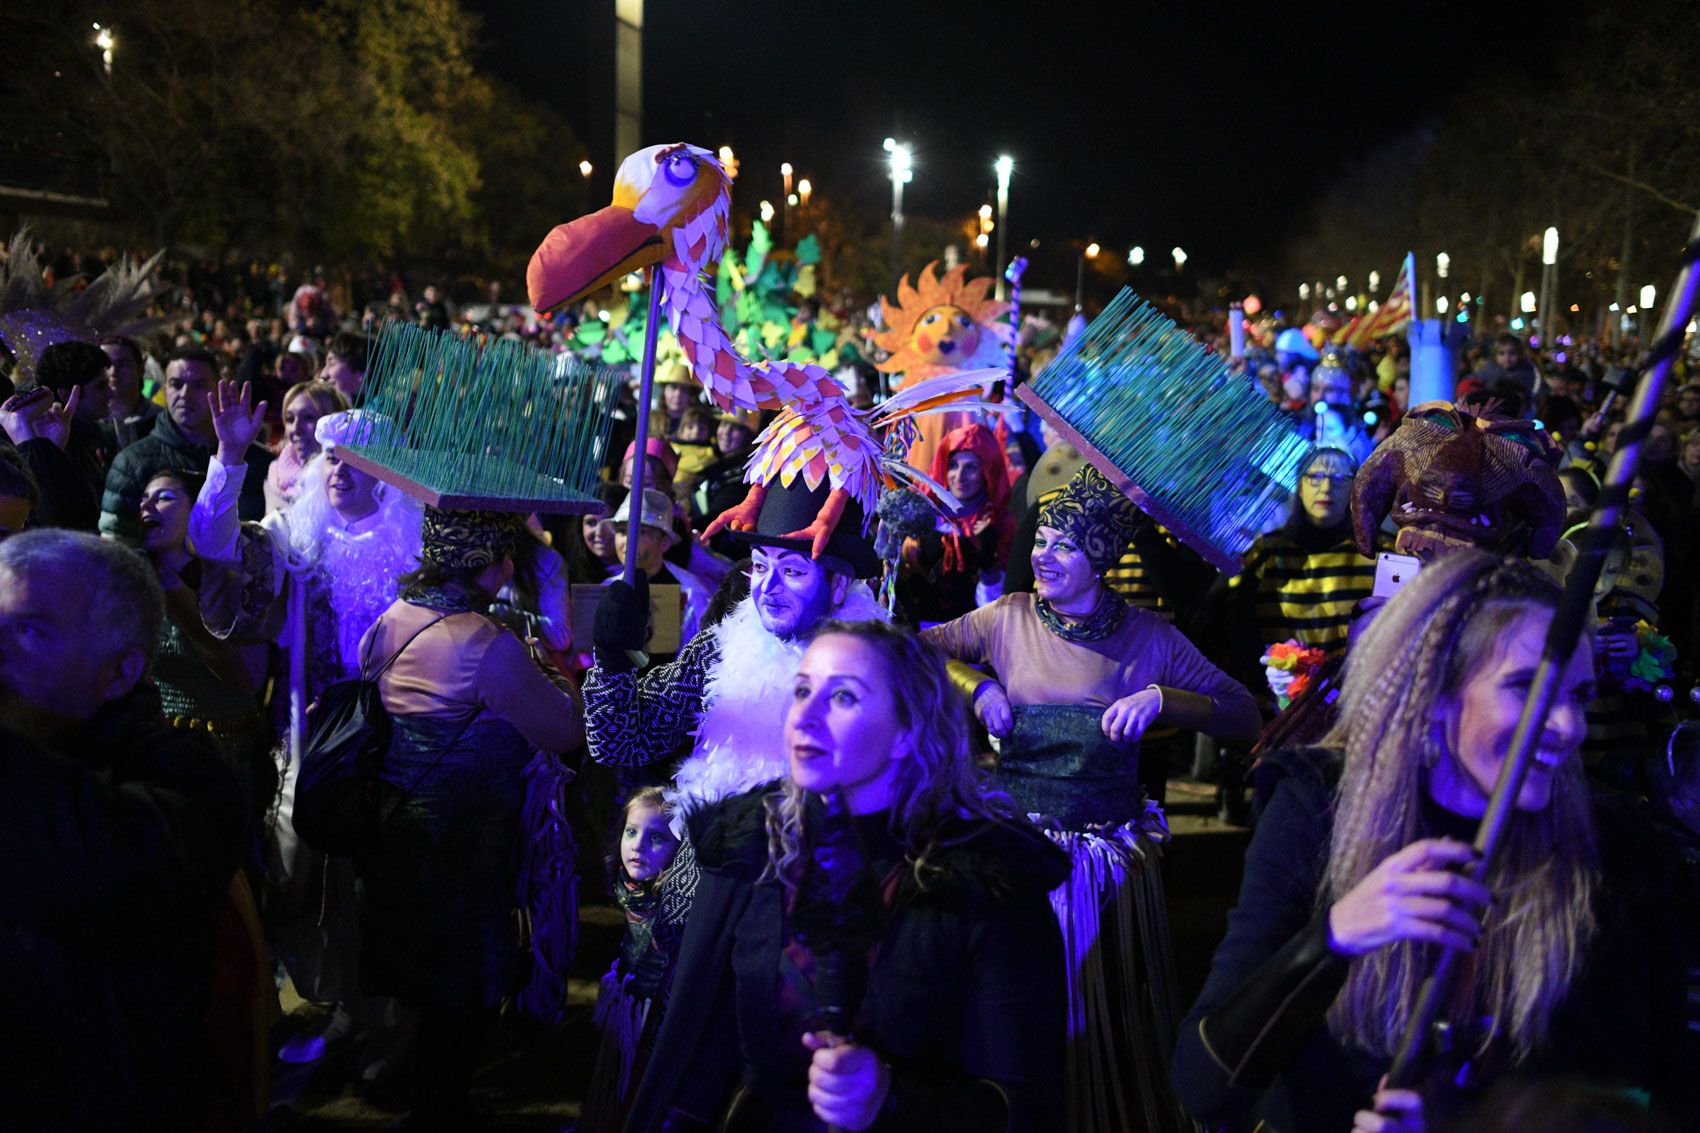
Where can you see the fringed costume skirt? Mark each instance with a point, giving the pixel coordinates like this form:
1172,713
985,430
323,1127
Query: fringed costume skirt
1083,789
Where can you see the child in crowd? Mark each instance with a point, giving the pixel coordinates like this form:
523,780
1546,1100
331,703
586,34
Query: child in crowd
646,850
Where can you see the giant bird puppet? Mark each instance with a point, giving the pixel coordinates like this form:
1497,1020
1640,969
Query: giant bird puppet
670,210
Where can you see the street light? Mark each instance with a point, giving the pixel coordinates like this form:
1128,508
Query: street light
804,188
1374,281
106,41
584,168
1549,279
1090,252
902,162
1180,257
1340,285
1304,291
766,209
728,162
785,172
1649,294
1135,256
1442,264
1528,302
1005,165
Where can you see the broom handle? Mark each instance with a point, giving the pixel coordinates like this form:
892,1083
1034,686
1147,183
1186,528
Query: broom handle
1561,640
640,458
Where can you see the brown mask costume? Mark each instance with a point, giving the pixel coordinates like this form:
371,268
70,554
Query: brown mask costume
1452,478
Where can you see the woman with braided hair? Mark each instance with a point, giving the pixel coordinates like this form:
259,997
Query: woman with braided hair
1574,944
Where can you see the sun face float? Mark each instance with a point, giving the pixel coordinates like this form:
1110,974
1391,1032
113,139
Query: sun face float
942,325
670,211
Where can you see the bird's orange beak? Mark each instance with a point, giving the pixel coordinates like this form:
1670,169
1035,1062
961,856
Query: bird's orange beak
589,253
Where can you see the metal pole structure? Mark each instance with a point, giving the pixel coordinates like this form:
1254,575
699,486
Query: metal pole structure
640,457
1005,166
1566,629
1080,283
1549,284
785,206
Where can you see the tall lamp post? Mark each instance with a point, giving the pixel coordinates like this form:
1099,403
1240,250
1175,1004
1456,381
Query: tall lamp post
106,41
1090,252
902,163
785,215
1005,165
1549,281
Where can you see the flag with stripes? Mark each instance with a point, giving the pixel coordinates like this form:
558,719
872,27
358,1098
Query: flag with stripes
1391,316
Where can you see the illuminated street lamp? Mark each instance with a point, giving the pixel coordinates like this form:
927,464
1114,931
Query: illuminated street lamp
1135,256
1442,264
1528,302
1549,279
1649,295
106,41
766,209
1180,257
728,162
902,163
804,188
585,168
1374,281
1005,166
1089,252
1304,291
790,199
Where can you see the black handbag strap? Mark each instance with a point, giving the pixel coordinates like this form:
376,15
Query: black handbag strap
397,654
413,787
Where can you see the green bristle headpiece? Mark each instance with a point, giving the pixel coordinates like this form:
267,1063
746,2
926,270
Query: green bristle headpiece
501,426
1203,451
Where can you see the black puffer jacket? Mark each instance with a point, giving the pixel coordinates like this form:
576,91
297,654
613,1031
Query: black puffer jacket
166,448
965,1000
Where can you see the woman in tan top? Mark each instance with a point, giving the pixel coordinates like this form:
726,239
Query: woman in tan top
469,708
1080,676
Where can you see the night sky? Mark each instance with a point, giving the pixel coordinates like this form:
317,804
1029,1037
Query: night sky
1156,124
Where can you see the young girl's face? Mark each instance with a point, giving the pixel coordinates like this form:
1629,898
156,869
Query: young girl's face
694,431
647,844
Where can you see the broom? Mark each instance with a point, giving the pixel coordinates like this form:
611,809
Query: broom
1200,450
461,425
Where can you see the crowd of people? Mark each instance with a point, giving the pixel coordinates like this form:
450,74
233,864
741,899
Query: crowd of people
882,817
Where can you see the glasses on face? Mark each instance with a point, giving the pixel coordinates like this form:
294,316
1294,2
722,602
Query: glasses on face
1323,479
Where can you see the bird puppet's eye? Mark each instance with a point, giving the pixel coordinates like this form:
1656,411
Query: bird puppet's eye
680,168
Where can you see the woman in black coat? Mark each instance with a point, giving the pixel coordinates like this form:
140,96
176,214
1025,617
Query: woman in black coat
897,964
1353,878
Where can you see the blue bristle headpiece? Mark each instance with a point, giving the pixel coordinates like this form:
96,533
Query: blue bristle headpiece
1202,450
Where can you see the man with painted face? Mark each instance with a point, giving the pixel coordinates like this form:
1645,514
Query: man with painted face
721,701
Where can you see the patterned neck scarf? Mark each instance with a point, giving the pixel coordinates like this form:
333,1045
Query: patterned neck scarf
447,599
1106,618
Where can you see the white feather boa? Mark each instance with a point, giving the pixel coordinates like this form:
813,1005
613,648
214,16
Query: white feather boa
740,740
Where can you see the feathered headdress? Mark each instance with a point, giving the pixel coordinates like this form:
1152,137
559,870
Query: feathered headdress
34,315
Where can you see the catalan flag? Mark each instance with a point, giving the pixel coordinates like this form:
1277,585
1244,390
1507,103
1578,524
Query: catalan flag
1390,317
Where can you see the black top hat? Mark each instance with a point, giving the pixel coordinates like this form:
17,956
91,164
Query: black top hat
793,508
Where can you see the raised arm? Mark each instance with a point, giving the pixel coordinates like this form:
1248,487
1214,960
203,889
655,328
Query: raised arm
632,720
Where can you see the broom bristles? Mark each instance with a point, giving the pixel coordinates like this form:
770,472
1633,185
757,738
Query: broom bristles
503,426
1200,449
